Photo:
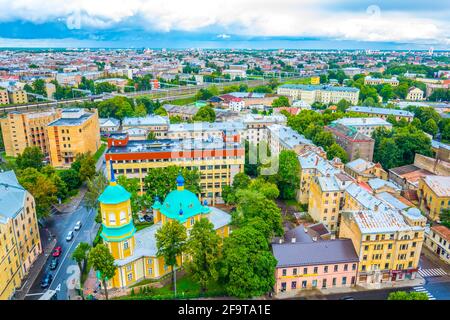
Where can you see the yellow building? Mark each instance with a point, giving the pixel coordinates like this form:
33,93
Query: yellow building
4,98
26,129
437,239
387,242
17,97
135,252
315,80
76,132
434,195
363,170
20,243
217,160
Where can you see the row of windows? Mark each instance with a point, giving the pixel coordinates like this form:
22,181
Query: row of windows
316,269
314,283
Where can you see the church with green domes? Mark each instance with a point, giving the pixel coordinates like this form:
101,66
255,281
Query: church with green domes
135,251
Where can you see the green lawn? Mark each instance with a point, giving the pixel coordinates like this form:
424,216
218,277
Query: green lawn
99,152
7,158
182,102
142,225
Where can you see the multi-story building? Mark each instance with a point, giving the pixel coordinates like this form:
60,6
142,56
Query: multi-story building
356,144
4,98
204,130
363,170
20,243
108,125
17,96
26,129
281,138
364,125
387,242
135,251
319,93
139,128
414,94
76,132
437,239
186,113
382,113
256,126
218,160
434,195
377,81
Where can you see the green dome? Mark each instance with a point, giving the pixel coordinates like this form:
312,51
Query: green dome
114,194
116,234
181,205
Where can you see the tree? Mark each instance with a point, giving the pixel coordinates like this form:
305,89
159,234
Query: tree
203,248
205,113
95,187
41,187
343,105
171,243
160,111
403,295
31,157
248,266
39,87
84,165
288,176
118,107
336,151
80,255
241,180
430,127
324,139
281,102
71,178
151,135
266,188
175,119
103,261
160,181
140,111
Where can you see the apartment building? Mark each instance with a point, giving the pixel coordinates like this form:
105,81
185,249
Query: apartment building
414,94
363,170
382,113
377,81
4,98
434,195
388,242
17,96
75,132
364,126
257,126
281,138
138,128
356,144
26,129
319,93
20,243
218,160
186,113
437,239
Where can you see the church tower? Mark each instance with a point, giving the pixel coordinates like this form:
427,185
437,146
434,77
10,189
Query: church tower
117,220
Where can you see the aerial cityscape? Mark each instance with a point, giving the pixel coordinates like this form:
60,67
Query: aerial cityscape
230,166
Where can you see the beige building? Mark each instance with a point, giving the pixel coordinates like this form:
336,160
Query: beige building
26,129
437,239
76,132
17,97
4,98
414,94
319,93
20,243
376,81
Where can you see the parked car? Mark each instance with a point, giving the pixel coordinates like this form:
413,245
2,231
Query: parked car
148,218
57,252
141,219
47,280
77,226
347,298
54,263
69,236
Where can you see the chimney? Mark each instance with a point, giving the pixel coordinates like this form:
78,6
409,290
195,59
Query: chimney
375,208
280,241
293,240
314,239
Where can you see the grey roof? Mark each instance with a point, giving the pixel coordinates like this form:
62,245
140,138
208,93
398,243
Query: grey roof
357,122
149,120
393,201
315,253
71,121
384,111
12,196
318,87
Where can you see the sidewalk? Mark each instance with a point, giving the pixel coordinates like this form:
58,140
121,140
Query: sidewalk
74,203
418,281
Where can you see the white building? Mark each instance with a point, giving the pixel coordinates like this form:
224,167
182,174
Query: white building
364,125
319,93
414,94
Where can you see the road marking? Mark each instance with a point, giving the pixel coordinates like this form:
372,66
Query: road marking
58,288
34,294
423,290
433,272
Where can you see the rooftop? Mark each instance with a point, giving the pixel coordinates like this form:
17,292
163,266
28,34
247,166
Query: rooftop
318,87
145,121
383,111
348,132
356,122
360,165
287,136
12,196
439,184
71,117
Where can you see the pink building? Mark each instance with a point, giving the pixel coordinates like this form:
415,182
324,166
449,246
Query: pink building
315,264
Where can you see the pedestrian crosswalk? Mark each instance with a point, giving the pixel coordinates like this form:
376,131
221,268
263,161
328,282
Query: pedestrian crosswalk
435,272
423,290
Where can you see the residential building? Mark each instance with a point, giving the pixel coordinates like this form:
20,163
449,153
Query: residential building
365,126
363,170
368,80
135,251
356,144
414,94
319,93
281,138
138,128
76,132
218,160
388,242
434,195
108,125
20,243
17,96
256,126
235,73
184,112
437,239
26,129
382,113
4,98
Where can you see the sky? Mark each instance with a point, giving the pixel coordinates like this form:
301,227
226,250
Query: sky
314,24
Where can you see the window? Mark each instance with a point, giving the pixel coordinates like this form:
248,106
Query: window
129,267
324,283
294,271
325,269
354,267
345,267
314,283
334,282
112,218
304,283
336,268
284,272
294,285
316,269
130,276
192,221
123,217
305,270
283,286
125,245
344,280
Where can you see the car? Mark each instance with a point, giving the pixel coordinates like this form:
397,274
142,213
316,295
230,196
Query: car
347,298
57,252
141,219
54,263
46,281
69,236
148,218
77,226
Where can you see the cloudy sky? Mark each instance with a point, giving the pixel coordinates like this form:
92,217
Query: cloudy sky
221,23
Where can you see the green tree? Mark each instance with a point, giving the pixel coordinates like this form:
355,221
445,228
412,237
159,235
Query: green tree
84,165
203,248
248,266
31,157
343,105
39,87
288,176
430,127
171,243
140,111
103,262
403,295
241,180
336,151
95,187
205,113
386,92
151,135
280,102
175,119
71,178
160,111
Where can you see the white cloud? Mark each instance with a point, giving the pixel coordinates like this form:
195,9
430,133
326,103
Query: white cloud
240,17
